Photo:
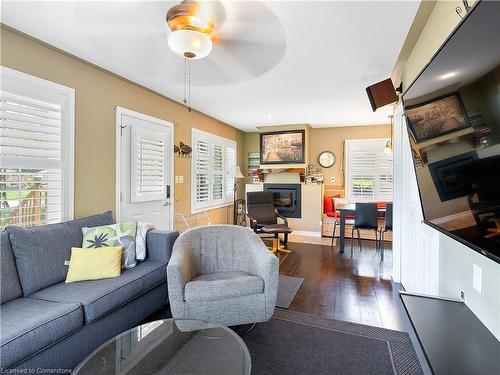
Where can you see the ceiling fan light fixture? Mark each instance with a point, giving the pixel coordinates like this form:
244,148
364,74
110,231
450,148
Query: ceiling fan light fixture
189,43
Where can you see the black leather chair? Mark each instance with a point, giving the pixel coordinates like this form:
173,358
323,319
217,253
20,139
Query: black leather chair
366,217
264,217
387,227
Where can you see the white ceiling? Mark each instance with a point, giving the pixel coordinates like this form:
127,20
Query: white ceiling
278,63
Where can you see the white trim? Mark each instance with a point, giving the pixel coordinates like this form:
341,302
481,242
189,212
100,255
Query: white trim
211,139
120,111
305,233
210,208
65,96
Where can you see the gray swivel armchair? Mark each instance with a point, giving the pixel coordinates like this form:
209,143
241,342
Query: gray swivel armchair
223,274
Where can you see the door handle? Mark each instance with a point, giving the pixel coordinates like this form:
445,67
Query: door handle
168,191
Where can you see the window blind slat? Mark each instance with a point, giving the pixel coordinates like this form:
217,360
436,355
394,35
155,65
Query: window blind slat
30,111
29,102
30,119
32,128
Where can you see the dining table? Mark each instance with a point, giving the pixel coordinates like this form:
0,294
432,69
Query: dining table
349,209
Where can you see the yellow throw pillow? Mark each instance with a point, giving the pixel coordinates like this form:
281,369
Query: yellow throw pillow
94,264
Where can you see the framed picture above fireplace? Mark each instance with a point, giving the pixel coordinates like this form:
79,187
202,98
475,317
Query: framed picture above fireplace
284,147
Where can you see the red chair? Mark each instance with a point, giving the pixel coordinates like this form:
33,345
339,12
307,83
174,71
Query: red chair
379,206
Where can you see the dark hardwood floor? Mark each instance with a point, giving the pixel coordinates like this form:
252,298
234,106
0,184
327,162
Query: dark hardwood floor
357,289
336,286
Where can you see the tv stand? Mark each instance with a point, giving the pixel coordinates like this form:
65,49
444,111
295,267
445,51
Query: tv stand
453,339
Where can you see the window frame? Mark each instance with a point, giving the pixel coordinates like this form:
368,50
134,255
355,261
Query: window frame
349,143
211,139
32,87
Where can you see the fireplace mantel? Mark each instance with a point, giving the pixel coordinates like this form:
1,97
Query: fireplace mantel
263,171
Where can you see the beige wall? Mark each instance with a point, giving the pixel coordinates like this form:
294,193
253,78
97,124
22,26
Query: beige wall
326,139
97,94
332,139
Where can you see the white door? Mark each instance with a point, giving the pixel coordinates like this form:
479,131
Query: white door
144,169
415,243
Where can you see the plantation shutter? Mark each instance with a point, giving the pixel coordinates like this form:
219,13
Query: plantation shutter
149,161
217,172
202,157
386,176
36,150
209,182
30,132
230,163
369,175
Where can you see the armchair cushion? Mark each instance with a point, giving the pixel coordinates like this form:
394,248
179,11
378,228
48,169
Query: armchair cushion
222,285
276,228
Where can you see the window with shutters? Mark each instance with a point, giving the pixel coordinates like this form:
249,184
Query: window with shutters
212,158
148,164
36,150
369,170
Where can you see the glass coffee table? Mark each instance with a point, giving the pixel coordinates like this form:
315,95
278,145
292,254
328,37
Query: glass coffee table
170,346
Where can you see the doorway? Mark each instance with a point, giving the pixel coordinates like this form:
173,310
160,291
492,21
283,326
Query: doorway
144,169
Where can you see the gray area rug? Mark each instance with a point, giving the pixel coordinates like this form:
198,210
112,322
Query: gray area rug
287,289
296,343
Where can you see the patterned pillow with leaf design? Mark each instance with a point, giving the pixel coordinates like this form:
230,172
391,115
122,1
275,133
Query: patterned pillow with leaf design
113,235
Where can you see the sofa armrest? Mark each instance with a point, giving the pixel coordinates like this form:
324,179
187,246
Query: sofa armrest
159,244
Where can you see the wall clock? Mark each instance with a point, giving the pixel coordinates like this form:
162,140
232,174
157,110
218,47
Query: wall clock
326,159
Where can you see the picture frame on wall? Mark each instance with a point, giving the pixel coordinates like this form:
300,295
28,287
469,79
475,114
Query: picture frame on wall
437,117
283,147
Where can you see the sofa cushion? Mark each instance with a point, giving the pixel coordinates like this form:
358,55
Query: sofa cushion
222,285
10,288
99,297
29,325
40,252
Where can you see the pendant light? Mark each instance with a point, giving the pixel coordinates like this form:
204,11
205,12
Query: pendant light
388,146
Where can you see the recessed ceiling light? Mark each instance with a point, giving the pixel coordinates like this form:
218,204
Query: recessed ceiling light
448,75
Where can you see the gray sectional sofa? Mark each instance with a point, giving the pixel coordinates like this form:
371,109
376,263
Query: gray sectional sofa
47,324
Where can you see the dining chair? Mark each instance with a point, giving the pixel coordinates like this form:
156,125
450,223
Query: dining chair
387,227
336,215
365,217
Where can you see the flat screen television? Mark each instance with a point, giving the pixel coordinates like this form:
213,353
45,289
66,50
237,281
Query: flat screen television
452,113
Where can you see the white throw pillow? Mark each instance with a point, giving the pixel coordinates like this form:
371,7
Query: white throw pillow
140,239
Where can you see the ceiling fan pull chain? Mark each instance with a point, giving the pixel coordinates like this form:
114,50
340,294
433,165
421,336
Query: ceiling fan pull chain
185,79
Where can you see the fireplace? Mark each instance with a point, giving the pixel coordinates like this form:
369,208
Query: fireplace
287,198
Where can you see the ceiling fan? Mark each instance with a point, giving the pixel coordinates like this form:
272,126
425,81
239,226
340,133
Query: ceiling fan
240,40
192,30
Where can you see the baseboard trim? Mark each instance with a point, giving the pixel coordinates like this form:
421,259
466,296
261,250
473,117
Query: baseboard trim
306,233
